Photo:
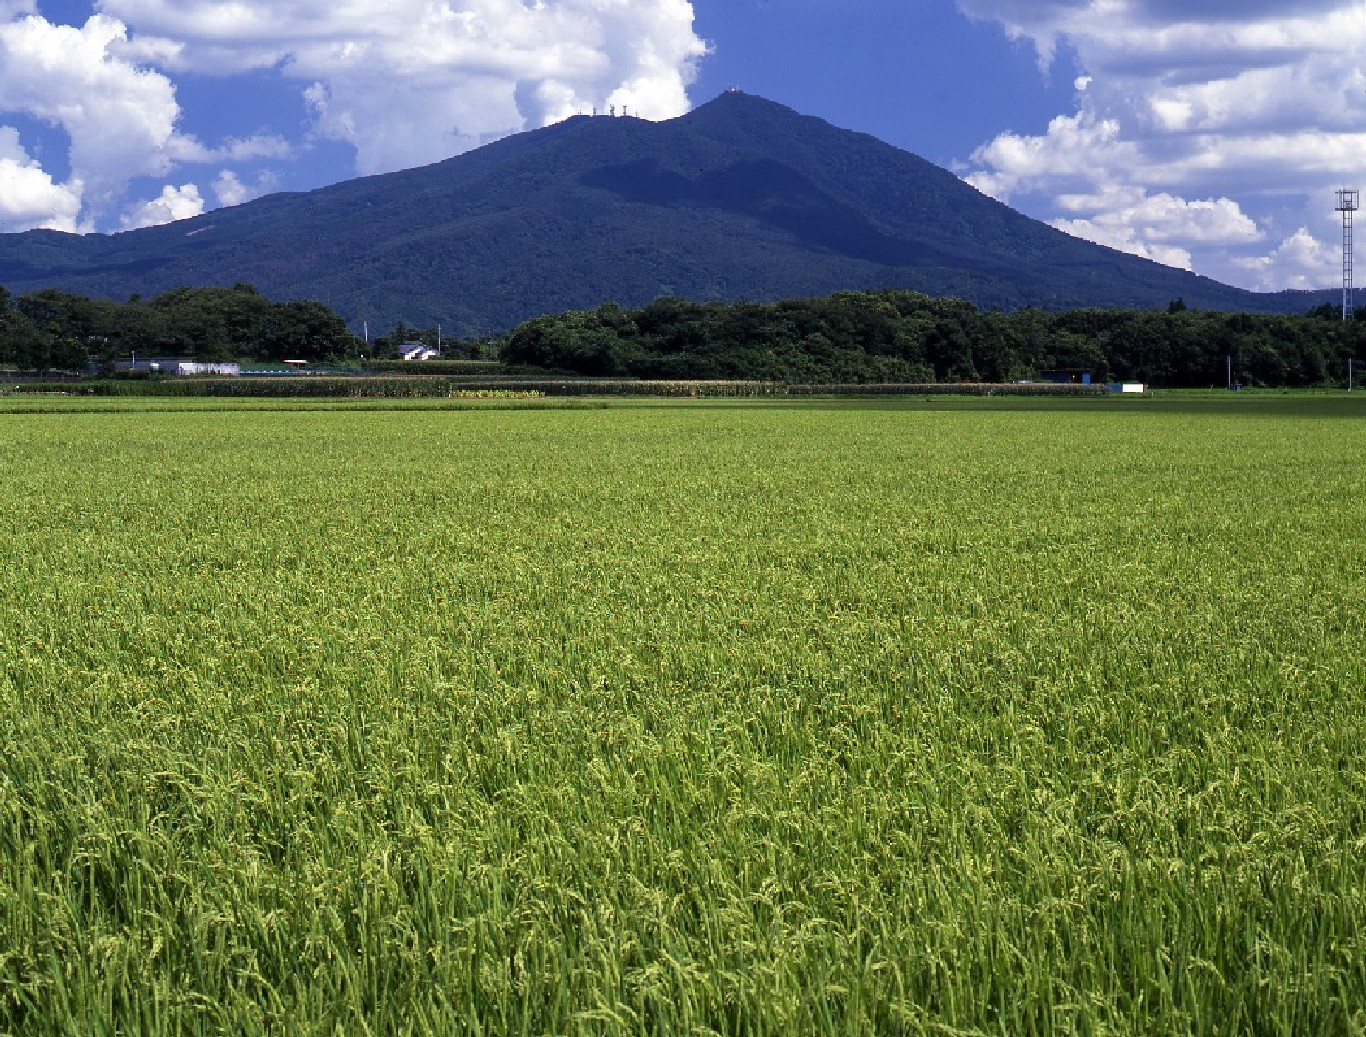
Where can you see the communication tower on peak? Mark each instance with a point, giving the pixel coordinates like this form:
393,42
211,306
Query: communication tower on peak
1349,200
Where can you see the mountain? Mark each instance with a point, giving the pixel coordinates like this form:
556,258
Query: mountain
741,198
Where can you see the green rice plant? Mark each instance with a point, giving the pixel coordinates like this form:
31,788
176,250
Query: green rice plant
693,717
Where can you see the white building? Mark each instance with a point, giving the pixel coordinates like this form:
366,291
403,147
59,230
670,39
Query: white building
176,365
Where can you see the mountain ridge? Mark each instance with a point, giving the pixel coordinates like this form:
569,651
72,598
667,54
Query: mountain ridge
740,198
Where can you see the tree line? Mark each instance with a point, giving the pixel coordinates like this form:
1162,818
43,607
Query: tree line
846,338
902,336
53,330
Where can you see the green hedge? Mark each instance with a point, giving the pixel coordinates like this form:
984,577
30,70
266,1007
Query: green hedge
637,387
285,388
949,389
446,387
426,368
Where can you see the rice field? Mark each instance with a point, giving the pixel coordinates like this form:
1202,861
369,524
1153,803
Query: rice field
839,717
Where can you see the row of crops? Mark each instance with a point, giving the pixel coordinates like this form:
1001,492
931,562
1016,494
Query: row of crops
959,716
447,387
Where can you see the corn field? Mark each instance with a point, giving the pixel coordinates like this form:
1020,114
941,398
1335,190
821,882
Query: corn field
877,717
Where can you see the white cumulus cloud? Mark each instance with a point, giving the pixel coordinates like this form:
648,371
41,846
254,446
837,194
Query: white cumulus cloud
174,203
1233,123
1158,227
28,196
1297,262
229,189
413,81
403,82
120,119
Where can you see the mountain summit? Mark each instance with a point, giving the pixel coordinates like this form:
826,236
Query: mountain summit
740,198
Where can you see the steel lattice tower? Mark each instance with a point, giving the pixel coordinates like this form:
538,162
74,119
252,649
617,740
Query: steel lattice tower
1348,202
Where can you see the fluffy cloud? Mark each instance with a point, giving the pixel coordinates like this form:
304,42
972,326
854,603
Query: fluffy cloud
1298,262
174,203
120,119
1066,154
187,149
229,189
413,81
402,81
1158,227
28,195
1232,123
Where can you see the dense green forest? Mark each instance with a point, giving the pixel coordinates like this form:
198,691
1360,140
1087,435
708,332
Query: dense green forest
899,336
52,330
850,337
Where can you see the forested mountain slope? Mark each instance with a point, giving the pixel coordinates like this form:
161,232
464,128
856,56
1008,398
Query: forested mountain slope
740,199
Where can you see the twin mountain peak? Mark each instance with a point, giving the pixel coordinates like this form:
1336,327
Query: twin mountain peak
741,198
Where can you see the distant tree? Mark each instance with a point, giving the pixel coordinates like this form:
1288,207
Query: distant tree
949,350
23,343
59,312
308,330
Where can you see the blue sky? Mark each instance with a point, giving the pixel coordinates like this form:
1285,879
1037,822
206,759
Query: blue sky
918,75
1203,134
